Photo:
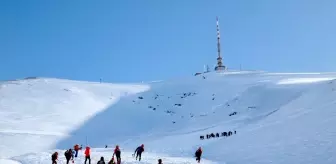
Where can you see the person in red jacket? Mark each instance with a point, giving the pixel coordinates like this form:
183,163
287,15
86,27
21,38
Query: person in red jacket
117,153
87,155
198,154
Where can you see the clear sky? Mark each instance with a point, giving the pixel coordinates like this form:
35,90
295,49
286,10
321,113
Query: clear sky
142,40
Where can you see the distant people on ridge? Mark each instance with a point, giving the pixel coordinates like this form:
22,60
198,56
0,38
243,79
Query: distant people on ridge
217,135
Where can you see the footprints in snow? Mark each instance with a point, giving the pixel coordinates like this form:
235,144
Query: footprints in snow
157,97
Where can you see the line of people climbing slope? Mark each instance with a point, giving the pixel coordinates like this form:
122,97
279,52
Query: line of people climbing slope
71,154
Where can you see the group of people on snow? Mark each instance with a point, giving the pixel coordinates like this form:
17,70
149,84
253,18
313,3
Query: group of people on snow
216,135
71,154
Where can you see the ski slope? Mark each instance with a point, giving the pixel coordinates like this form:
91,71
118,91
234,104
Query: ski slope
280,118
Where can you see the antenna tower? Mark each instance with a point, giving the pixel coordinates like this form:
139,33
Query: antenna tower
220,65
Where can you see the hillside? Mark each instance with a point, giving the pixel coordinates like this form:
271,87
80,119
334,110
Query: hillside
278,117
36,113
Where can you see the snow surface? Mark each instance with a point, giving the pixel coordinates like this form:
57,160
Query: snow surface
281,118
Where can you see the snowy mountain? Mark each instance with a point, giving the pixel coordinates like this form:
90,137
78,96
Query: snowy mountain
278,118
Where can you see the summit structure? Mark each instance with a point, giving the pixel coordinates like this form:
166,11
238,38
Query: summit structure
219,66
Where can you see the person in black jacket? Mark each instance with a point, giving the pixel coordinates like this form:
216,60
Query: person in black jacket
54,158
198,154
68,155
101,161
139,151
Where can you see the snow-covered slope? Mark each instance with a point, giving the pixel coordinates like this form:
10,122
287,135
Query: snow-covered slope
280,118
36,113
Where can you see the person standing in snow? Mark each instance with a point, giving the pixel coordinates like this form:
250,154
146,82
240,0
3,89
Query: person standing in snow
117,153
68,155
160,161
87,155
77,148
198,154
139,151
54,157
101,161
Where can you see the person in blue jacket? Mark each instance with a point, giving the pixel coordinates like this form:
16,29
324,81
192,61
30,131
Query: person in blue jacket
138,152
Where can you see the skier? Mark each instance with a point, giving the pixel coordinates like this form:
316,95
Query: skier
139,151
101,161
117,153
68,155
54,157
198,154
77,148
87,154
160,161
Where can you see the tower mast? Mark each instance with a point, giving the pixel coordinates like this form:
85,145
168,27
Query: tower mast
220,65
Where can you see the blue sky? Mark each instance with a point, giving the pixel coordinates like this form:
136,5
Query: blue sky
133,40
